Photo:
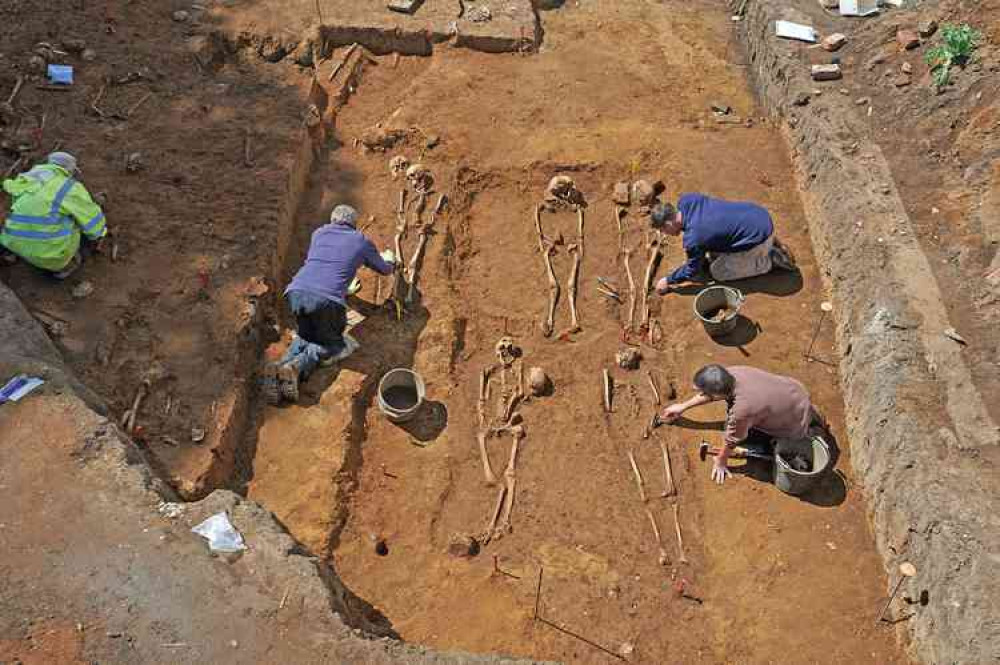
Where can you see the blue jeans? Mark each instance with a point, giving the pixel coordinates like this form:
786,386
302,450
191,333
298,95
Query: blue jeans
321,323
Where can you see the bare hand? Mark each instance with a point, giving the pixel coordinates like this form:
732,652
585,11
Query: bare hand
663,286
672,413
720,471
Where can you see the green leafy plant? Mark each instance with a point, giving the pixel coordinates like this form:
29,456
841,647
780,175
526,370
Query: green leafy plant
958,43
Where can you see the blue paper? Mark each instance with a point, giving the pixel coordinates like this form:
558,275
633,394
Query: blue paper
61,74
18,387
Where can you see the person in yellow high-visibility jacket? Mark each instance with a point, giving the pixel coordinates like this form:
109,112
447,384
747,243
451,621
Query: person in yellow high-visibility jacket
49,212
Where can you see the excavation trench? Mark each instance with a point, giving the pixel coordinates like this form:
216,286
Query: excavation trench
389,506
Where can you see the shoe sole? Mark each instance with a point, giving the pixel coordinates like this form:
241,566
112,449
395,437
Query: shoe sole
288,382
269,386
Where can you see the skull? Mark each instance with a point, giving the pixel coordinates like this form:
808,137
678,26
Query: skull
507,350
420,178
562,191
398,166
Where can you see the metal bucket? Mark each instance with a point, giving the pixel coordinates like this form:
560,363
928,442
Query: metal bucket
816,454
400,394
710,301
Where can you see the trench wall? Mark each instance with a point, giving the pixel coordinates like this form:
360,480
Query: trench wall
922,444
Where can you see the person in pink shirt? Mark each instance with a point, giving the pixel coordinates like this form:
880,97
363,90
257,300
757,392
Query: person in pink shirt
757,400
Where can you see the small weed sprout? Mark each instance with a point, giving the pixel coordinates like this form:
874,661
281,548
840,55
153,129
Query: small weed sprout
958,43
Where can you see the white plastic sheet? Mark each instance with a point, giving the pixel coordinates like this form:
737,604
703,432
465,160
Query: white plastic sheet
790,30
222,536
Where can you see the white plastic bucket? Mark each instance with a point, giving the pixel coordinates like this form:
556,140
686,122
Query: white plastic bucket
795,482
400,394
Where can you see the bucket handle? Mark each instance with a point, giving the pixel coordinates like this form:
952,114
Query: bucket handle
739,295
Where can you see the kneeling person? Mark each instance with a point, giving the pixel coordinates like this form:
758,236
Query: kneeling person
317,296
735,239
778,406
49,214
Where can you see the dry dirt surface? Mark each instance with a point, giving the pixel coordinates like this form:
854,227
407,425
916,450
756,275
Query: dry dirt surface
617,90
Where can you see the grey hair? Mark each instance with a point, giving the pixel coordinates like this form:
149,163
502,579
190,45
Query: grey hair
65,160
714,380
344,214
662,214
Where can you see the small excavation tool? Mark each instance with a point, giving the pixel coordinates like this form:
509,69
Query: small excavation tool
738,452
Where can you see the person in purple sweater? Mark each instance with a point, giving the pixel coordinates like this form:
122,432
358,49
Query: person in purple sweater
317,296
726,240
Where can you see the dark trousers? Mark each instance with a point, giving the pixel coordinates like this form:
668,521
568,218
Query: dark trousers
321,323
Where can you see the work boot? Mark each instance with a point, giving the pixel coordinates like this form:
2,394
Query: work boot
288,380
781,258
269,386
70,268
350,346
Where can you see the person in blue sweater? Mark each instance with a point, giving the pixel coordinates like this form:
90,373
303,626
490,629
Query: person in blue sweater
317,296
723,240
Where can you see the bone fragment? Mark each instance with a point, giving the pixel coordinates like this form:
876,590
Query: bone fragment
607,390
631,290
510,478
669,489
494,516
655,254
677,528
638,476
484,380
547,249
652,386
664,557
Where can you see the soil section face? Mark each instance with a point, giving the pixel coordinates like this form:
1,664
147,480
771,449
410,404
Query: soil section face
493,130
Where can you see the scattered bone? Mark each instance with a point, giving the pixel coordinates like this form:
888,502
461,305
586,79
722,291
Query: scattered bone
664,558
653,387
631,290
538,381
655,254
398,166
197,435
677,528
607,390
628,358
669,489
547,248
638,476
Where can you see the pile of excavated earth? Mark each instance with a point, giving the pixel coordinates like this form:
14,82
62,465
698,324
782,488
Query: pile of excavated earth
530,506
